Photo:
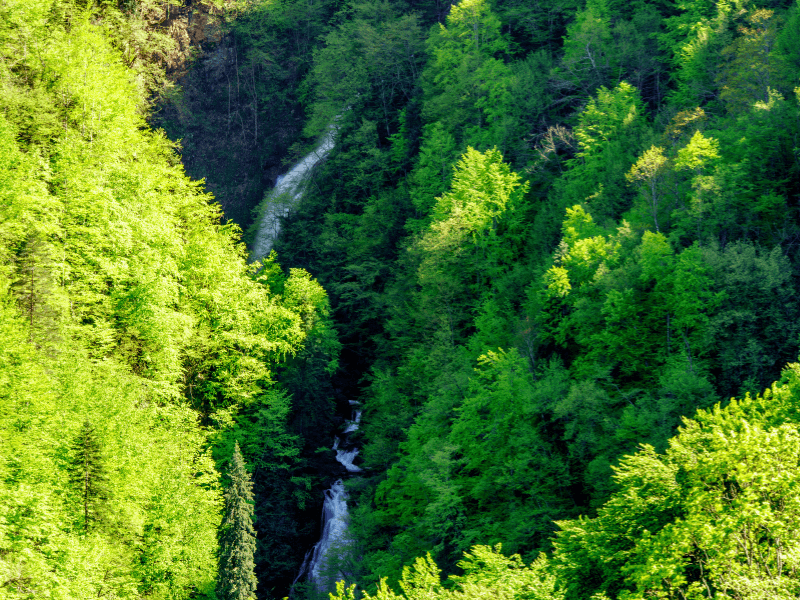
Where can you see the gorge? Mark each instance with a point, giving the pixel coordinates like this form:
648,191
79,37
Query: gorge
527,330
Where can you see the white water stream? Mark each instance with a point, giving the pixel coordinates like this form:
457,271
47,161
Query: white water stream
283,197
335,539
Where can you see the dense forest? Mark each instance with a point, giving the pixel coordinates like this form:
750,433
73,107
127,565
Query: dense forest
554,254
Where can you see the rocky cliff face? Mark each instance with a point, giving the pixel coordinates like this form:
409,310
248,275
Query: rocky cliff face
232,94
192,26
193,106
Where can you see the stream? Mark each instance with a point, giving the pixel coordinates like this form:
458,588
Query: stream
335,539
282,198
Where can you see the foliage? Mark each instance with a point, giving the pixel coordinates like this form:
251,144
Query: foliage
613,251
710,516
387,48
134,331
467,84
518,345
87,475
487,574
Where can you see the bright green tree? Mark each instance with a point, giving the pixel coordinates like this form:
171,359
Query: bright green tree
488,573
474,235
609,132
237,581
711,517
647,173
466,83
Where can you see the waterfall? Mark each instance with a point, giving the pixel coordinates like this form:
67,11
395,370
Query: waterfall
283,197
335,537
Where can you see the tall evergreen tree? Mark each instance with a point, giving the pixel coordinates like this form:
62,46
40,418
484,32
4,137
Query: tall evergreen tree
33,287
237,580
88,475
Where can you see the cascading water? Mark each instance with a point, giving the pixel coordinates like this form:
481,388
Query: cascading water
335,540
287,191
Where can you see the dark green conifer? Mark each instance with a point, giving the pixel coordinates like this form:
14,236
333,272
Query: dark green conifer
88,476
237,580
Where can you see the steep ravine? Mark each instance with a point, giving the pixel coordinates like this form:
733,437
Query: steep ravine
236,117
325,562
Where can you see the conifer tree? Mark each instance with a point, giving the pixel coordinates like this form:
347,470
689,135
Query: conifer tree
33,288
88,476
237,580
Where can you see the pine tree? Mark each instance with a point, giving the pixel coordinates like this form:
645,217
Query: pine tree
88,476
33,288
237,580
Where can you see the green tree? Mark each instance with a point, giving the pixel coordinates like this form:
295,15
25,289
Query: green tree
787,53
474,236
502,447
369,67
753,334
467,83
610,130
709,516
488,573
751,68
237,580
694,39
648,173
588,47
88,476
603,46
698,158
434,169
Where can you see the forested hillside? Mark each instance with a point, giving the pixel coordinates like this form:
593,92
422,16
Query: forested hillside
550,232
557,238
137,343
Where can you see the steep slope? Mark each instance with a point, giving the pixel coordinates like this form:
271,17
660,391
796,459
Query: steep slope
137,342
